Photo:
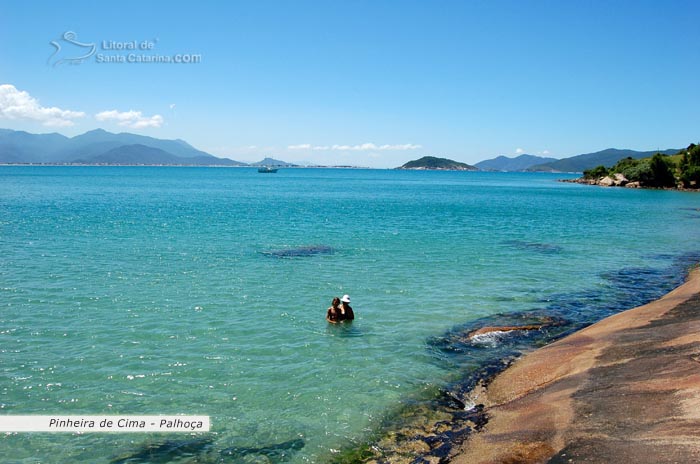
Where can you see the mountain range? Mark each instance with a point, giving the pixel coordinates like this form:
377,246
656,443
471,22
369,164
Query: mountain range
519,163
101,147
578,163
607,157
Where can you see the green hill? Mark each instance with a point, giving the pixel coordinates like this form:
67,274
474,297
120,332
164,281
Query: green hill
438,164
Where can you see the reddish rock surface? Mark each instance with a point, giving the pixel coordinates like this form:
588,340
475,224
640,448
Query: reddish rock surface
626,389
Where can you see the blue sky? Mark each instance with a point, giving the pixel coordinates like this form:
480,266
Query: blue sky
369,83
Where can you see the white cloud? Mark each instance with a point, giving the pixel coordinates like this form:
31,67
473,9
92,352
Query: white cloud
172,106
545,152
405,146
519,151
131,118
17,104
359,147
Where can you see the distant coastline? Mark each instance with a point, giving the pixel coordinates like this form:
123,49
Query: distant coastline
99,147
242,166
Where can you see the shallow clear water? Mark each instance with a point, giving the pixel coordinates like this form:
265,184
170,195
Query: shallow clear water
133,290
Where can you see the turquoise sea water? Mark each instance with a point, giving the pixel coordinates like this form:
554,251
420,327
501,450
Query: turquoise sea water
134,290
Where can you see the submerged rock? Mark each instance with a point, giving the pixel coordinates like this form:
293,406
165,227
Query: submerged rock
302,251
546,248
167,451
202,450
278,452
504,328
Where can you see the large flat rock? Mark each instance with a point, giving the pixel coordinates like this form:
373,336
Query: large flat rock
626,389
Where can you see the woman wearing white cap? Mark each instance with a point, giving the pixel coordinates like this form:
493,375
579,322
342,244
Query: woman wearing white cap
346,313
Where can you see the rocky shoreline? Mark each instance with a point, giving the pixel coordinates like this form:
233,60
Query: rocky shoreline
619,180
626,389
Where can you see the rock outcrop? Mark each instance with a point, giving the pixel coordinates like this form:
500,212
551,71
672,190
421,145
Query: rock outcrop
626,389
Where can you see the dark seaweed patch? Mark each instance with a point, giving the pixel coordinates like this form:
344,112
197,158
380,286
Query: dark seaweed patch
300,252
167,451
546,248
202,450
280,452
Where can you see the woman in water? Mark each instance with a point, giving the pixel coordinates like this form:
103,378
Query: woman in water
333,314
346,313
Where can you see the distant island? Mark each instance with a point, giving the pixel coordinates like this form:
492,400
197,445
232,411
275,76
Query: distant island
437,164
274,163
678,171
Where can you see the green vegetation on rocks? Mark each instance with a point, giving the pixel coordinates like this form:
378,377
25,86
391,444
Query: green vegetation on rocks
689,167
681,170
